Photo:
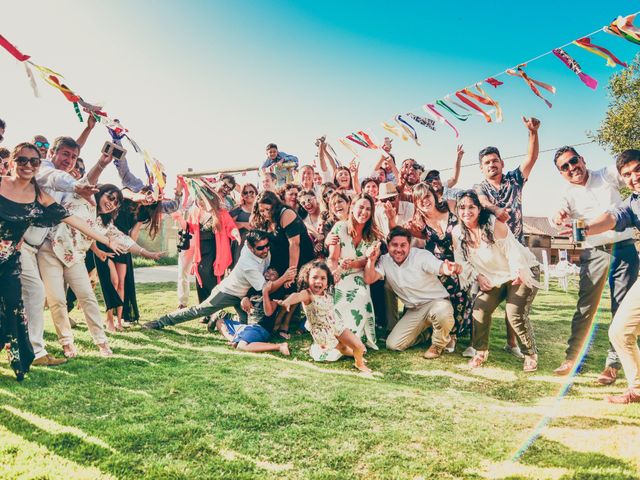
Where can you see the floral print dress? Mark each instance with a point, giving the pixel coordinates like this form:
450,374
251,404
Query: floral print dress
442,249
324,327
351,298
15,218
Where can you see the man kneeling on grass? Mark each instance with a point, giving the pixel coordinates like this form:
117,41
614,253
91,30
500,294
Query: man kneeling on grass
413,276
248,273
255,336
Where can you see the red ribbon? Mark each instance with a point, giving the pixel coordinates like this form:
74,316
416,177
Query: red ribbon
9,47
493,82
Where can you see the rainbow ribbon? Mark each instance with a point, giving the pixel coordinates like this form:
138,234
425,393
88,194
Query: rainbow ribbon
623,27
574,66
431,110
519,72
407,128
611,59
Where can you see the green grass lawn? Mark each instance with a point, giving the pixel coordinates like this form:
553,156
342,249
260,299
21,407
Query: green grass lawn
179,404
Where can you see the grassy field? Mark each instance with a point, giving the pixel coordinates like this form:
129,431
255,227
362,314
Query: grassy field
179,404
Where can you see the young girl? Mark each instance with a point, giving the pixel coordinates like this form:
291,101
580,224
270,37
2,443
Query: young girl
315,282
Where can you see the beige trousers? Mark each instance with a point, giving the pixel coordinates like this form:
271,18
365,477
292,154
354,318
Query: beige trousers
54,275
185,260
33,297
623,334
409,329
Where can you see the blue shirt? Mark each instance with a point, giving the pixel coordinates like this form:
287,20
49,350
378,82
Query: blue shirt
286,164
628,214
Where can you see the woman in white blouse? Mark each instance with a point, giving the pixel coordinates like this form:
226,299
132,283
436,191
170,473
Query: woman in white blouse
504,270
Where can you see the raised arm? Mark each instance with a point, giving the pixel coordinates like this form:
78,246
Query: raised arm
532,125
98,168
82,139
456,168
371,275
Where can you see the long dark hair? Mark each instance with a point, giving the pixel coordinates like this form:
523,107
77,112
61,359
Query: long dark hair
266,198
303,277
150,215
108,218
370,231
420,191
484,222
335,177
14,155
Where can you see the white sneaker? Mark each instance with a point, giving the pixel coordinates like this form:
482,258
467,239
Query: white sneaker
470,352
451,346
515,351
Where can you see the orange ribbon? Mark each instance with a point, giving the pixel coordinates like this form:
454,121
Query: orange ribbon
519,72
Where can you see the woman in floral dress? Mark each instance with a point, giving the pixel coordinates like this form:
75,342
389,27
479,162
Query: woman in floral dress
433,222
23,204
347,258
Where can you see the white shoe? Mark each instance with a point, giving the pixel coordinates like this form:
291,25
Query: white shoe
470,352
515,351
451,346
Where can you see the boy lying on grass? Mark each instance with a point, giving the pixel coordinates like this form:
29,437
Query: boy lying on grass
261,310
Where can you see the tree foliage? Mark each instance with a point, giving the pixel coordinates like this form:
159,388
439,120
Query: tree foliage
620,129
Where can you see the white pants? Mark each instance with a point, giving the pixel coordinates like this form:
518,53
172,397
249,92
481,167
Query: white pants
33,297
185,260
54,276
623,333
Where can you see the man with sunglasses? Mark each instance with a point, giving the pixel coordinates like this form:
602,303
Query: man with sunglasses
226,186
248,273
609,255
42,143
55,179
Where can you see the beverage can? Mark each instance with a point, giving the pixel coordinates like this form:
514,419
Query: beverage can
578,230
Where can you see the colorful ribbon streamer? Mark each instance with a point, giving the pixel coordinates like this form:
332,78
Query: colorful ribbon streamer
348,146
493,82
355,138
460,116
623,27
425,122
407,128
32,80
483,98
76,107
394,130
367,139
574,66
519,72
431,110
9,47
611,59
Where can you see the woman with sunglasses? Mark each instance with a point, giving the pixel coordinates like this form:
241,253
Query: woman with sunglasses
242,214
23,204
504,269
433,222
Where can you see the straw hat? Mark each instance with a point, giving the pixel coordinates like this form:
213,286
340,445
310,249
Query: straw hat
386,190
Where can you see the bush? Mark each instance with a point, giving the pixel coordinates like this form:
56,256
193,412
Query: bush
147,262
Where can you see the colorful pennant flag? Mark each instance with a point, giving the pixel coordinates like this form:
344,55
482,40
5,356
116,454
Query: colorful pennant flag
574,66
482,98
611,59
519,72
431,110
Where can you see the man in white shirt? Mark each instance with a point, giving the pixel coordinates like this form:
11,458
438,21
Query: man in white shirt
248,273
413,273
609,254
391,211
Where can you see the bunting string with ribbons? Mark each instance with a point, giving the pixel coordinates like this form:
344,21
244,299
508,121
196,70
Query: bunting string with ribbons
348,146
611,59
483,98
407,128
623,27
355,138
394,131
574,66
494,82
431,110
519,72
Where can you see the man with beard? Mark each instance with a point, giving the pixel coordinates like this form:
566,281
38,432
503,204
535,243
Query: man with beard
501,193
409,176
610,254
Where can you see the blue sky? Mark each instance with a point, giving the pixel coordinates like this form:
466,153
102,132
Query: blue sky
207,84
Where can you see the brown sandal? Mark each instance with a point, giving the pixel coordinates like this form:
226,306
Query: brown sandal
478,359
530,363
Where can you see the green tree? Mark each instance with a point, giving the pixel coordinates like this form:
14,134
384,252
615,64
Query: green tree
620,129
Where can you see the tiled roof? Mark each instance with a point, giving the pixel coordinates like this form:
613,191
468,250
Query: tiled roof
539,226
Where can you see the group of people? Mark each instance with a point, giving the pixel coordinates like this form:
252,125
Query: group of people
317,248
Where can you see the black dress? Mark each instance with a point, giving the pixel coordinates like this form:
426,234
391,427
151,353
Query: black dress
239,215
280,243
15,218
124,222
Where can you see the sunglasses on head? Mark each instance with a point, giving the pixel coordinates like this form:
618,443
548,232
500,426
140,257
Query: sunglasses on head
261,248
42,144
572,161
34,161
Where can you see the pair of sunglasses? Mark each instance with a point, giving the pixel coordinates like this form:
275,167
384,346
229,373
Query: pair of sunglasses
262,248
248,192
572,161
42,144
34,161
